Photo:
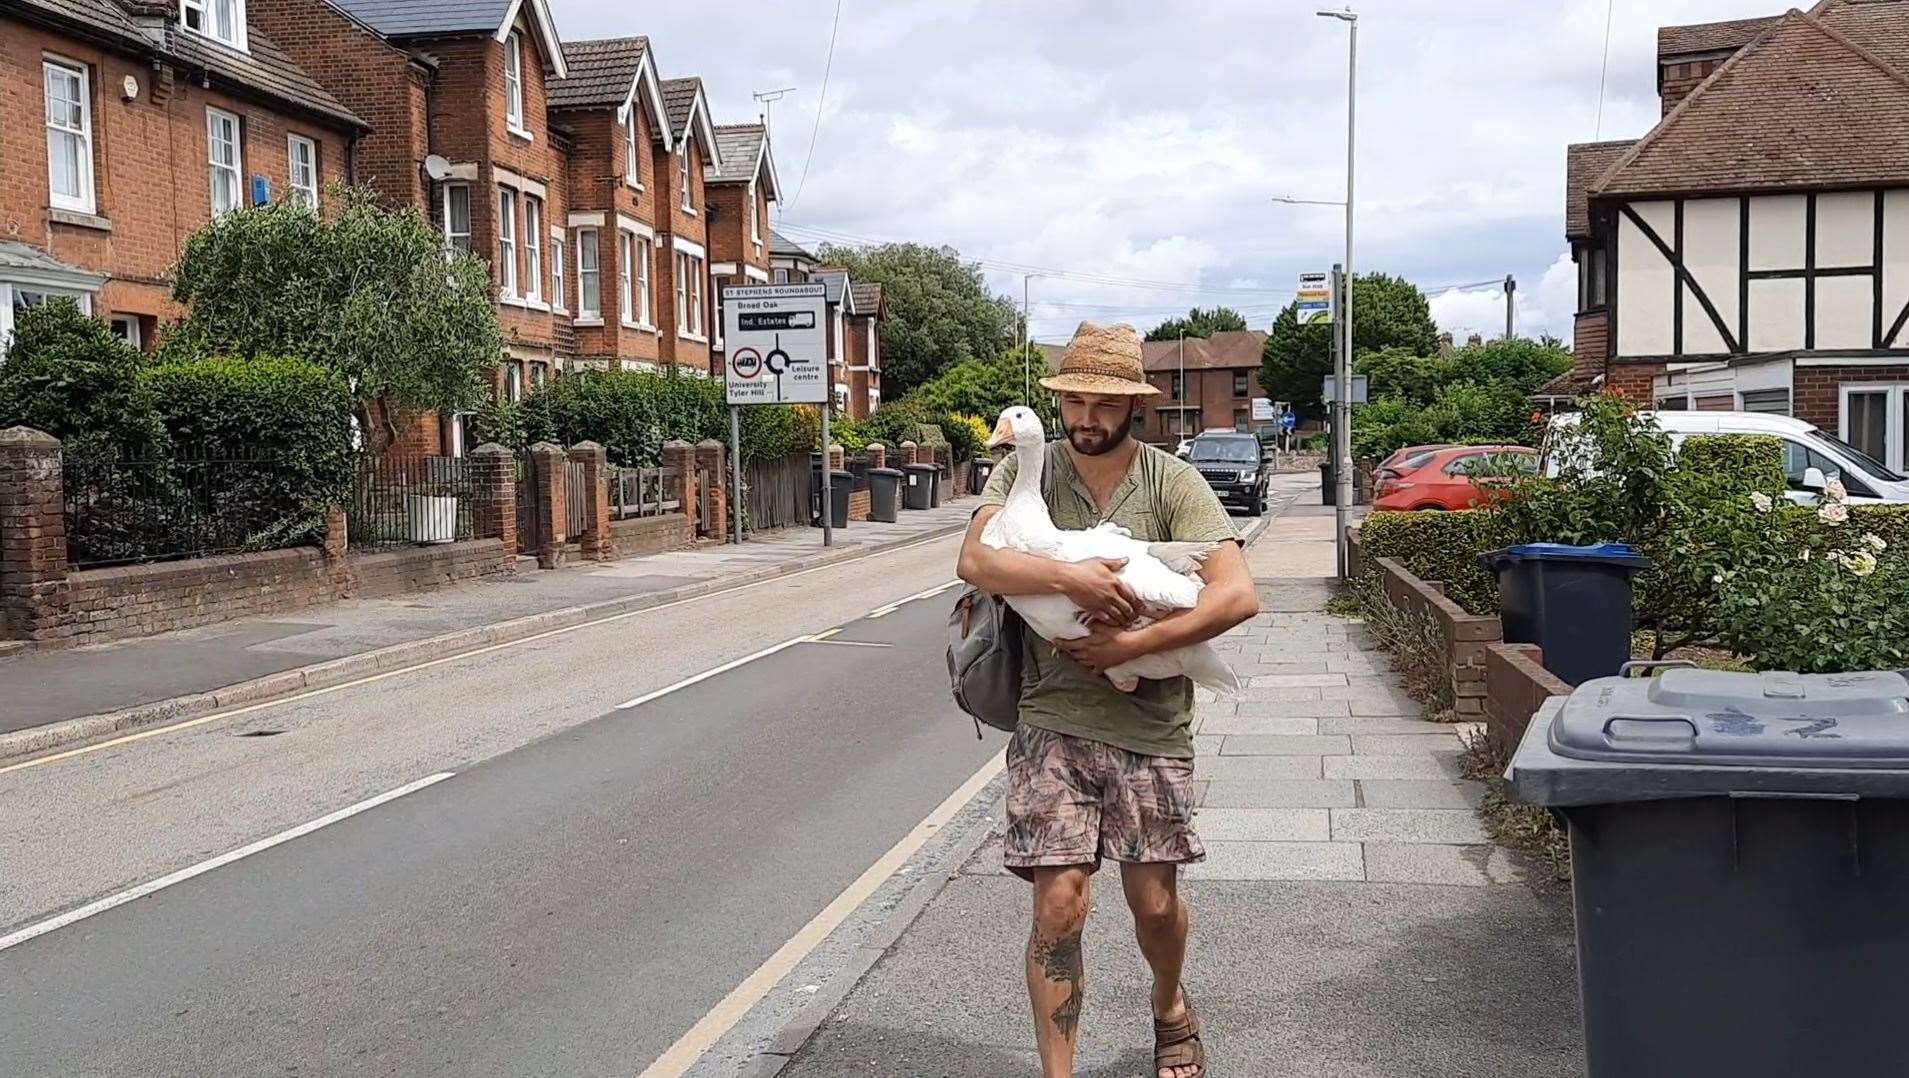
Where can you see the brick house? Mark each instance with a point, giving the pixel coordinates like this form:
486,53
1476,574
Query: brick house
789,261
740,191
839,318
457,97
1216,393
611,106
1751,252
129,125
864,349
686,308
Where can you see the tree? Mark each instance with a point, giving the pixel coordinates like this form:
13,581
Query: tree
1198,323
986,387
367,292
1388,312
1517,361
940,311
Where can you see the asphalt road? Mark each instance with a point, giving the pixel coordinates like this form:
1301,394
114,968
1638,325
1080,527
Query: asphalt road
585,886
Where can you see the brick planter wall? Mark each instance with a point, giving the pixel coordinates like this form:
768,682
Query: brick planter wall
651,535
1516,686
1466,636
139,600
398,572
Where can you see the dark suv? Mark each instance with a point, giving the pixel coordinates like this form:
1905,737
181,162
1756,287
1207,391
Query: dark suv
1231,464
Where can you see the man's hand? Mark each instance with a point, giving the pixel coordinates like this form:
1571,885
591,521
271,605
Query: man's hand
1095,587
1105,648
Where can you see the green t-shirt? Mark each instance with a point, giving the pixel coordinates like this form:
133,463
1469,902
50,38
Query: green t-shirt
1162,499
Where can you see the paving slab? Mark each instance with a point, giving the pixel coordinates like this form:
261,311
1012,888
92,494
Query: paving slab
1285,745
1255,707
1280,793
1264,824
1432,741
1448,865
1389,767
1407,825
1280,861
1253,726
1298,681
1372,724
1419,793
1262,768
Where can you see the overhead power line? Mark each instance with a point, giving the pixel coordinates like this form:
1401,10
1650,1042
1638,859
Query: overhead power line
821,100
1604,67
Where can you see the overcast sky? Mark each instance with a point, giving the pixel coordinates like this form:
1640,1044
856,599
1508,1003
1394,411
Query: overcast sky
1142,141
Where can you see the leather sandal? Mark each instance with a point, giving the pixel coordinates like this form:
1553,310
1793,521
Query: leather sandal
1177,1044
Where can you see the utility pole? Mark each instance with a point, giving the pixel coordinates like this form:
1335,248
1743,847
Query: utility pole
1181,388
1342,406
1027,346
1511,289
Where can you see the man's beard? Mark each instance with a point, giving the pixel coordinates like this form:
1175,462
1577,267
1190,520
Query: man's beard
1093,442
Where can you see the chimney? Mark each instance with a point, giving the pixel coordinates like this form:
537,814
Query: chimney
1445,346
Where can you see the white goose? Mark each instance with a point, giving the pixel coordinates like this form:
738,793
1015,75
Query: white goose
1163,576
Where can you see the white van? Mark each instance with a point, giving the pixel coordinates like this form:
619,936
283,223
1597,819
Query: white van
1811,457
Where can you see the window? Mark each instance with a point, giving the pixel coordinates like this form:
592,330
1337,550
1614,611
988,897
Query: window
682,292
629,146
126,328
697,277
69,137
457,217
507,241
513,381
533,248
589,284
755,223
1177,382
1771,401
625,270
538,375
1673,404
15,299
781,276
646,315
301,168
689,294
682,164
222,159
220,20
1590,278
514,82
556,273
1868,423
1239,383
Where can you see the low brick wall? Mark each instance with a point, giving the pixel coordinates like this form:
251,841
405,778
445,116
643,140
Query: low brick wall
139,600
651,535
858,505
1516,685
1466,636
398,572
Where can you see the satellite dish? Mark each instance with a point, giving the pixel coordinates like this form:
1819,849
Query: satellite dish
436,167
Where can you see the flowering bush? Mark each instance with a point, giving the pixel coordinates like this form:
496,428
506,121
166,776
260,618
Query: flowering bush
1819,595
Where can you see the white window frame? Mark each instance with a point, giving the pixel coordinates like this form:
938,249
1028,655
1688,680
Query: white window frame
755,219
682,293
589,277
513,380
507,243
689,204
514,84
10,292
87,200
451,232
213,120
1895,414
625,276
557,297
126,328
533,248
302,193
646,305
630,174
233,34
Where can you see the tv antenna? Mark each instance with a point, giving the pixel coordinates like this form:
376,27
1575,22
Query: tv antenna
768,99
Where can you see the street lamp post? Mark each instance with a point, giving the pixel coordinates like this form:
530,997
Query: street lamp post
1342,406
1027,345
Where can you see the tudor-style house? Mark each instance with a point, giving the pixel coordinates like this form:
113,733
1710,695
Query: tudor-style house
1751,252
686,305
456,94
128,126
611,106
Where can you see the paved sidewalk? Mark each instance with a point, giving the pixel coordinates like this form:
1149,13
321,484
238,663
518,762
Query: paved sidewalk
1352,917
40,687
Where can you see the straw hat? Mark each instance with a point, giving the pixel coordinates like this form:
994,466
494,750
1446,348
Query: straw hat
1102,359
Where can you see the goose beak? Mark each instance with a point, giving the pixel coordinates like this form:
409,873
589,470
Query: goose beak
1003,434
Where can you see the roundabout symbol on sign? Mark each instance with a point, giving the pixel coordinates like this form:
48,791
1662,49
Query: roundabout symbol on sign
747,363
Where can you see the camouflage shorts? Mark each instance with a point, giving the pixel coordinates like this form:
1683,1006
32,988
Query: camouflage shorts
1072,801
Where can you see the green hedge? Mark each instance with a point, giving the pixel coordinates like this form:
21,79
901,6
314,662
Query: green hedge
1437,546
632,413
1749,461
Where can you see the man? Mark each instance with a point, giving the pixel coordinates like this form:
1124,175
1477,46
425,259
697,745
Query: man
1094,772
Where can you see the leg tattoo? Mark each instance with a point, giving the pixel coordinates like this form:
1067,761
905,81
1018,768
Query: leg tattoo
1060,959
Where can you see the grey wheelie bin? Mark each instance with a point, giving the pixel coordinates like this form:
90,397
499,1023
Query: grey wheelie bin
1572,601
983,469
1740,869
841,485
884,495
918,490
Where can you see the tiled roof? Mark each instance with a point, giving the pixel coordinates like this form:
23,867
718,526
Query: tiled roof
600,72
738,147
1711,36
1803,106
868,297
679,96
1881,27
1229,350
262,67
782,246
832,280
1567,384
1584,163
400,18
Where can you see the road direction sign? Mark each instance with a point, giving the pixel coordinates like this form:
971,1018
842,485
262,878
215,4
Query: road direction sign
778,351
1314,305
1329,389
1263,410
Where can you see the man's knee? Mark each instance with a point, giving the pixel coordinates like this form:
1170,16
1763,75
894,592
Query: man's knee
1155,907
1060,901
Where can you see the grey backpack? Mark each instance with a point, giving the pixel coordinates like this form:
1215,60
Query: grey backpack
984,659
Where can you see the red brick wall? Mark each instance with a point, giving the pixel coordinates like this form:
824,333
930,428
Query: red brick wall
692,227
652,535
149,164
1676,81
1590,345
1634,381
597,184
1817,394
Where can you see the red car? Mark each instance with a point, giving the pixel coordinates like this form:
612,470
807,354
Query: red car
1444,478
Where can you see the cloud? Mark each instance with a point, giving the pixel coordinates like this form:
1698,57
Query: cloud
1137,146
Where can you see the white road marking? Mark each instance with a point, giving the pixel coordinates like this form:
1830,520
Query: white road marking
188,724
712,672
849,643
54,924
710,1028
884,611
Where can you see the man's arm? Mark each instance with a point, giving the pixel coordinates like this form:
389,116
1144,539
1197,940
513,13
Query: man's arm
1092,585
1228,599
